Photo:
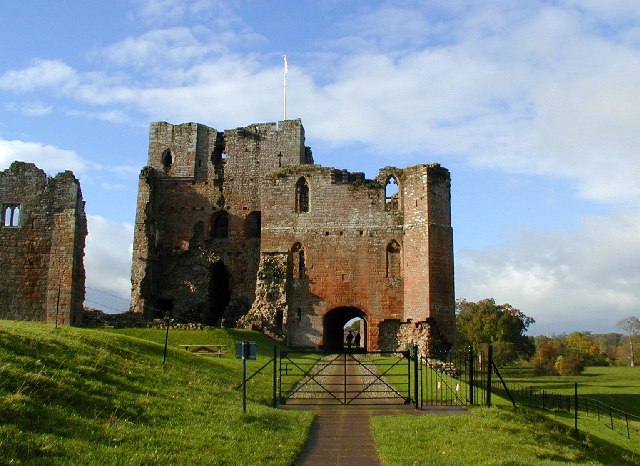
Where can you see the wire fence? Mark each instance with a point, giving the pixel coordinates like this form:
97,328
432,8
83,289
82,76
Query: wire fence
585,409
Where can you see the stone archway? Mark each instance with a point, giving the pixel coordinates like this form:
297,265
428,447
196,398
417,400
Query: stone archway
333,327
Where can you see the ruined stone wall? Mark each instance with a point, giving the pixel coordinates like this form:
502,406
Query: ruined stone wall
345,243
428,248
195,177
42,252
344,235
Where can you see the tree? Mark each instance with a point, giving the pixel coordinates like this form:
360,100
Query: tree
502,325
631,325
543,362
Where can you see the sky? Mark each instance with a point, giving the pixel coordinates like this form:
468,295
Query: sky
531,105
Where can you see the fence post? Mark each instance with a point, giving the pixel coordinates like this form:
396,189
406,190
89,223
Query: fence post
471,376
280,378
490,369
275,378
611,417
586,405
415,374
543,404
575,407
626,418
422,373
408,400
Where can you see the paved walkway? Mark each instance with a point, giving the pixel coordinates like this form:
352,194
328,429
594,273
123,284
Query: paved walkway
341,434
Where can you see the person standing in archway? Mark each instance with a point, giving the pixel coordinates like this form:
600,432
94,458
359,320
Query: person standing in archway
357,340
349,339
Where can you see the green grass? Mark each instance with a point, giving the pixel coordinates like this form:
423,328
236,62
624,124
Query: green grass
80,396
615,386
485,436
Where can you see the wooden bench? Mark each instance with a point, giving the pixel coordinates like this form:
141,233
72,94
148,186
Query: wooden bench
205,350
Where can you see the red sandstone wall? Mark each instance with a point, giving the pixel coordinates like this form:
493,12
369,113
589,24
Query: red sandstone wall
344,233
42,258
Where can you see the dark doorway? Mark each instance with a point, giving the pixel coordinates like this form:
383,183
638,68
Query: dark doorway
334,322
219,293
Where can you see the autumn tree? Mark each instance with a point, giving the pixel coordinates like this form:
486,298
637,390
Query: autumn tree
631,325
501,325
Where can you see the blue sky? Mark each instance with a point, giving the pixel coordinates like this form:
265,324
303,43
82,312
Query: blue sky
531,105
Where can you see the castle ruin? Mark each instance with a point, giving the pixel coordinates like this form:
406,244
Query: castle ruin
240,227
43,229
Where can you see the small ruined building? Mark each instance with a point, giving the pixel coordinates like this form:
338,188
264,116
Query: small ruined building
43,230
241,228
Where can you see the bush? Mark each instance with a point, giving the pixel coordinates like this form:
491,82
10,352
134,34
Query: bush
543,362
569,365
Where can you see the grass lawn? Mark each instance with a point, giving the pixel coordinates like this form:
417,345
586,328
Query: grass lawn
486,436
81,396
615,386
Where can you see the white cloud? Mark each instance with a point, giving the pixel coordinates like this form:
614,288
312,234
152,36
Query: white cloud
160,48
49,158
53,160
526,88
587,280
30,108
108,263
40,73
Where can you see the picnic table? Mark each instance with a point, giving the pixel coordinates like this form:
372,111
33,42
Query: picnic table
205,349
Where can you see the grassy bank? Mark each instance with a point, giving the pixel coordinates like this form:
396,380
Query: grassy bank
78,396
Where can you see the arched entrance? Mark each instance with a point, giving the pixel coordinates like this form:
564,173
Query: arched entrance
219,293
333,328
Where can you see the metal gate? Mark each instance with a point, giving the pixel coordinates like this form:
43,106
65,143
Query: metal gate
452,378
347,378
378,377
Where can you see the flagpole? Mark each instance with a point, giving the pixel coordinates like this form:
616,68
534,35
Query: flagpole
284,88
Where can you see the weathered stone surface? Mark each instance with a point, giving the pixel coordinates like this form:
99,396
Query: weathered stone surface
42,246
217,211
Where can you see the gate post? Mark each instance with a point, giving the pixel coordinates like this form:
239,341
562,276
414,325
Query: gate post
415,375
489,370
471,376
408,355
275,378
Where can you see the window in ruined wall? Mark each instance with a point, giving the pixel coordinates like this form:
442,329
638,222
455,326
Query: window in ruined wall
252,225
11,215
297,261
393,259
218,155
391,193
220,225
167,159
302,195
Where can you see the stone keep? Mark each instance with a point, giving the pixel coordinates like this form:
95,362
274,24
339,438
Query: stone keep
43,230
242,228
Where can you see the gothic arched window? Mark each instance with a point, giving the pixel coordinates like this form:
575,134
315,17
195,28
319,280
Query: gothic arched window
391,193
393,259
11,215
302,195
